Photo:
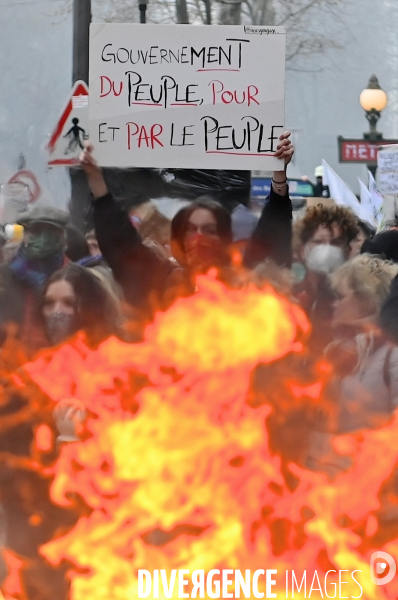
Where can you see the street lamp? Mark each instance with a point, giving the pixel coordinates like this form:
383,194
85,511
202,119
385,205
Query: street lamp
351,150
373,100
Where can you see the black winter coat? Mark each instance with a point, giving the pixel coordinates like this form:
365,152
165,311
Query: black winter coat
150,282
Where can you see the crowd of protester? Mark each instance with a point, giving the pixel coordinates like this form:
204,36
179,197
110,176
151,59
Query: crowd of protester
55,282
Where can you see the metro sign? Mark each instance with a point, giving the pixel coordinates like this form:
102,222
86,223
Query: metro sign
360,151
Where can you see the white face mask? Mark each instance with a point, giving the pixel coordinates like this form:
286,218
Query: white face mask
324,258
60,326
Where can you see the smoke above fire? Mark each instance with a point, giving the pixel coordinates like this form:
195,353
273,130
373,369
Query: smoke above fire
192,455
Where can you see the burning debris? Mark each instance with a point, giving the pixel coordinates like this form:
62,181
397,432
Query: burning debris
183,461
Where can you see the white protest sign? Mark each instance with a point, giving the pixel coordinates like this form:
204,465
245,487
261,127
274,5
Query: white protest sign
190,97
389,183
387,162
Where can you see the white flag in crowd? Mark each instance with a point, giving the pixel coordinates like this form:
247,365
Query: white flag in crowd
366,207
341,194
377,201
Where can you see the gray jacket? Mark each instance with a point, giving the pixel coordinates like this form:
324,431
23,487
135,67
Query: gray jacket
366,398
369,395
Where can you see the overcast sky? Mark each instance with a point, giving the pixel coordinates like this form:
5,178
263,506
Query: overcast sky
321,93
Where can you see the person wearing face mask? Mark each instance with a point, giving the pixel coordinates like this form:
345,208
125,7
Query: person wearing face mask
321,244
41,253
201,236
74,299
22,280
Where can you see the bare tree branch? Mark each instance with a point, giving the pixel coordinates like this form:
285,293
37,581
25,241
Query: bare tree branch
295,15
207,4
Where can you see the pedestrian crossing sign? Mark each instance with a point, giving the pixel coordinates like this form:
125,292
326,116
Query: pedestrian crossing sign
71,129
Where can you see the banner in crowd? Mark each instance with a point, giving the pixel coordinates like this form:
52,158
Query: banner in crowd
370,209
387,162
186,97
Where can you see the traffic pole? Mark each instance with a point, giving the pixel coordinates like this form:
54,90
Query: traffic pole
81,37
142,8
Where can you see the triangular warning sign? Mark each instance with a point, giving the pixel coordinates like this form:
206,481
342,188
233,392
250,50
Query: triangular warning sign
66,141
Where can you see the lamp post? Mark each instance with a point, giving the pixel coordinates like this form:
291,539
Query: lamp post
142,7
373,101
364,150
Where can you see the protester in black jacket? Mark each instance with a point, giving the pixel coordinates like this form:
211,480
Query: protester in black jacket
150,282
272,237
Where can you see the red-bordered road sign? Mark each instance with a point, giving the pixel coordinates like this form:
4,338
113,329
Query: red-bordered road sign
65,143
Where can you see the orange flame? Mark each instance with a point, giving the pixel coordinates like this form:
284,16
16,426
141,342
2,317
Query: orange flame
13,586
175,466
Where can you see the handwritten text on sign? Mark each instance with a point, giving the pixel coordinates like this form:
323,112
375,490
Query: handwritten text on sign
387,161
183,96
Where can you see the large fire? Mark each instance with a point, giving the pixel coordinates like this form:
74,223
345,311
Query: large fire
184,463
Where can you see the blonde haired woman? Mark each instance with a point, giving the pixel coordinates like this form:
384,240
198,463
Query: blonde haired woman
364,392
366,361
